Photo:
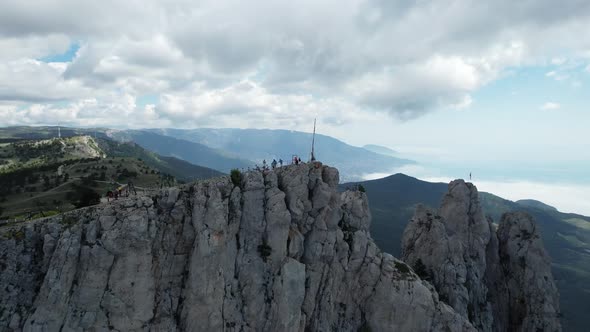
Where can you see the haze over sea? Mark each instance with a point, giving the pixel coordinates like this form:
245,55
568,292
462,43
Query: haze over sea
566,187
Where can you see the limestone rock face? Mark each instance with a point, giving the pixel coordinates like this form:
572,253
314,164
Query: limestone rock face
533,296
499,281
284,251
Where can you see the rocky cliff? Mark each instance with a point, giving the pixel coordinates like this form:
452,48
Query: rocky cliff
279,251
500,280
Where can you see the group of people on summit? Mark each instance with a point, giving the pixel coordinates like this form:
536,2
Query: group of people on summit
274,164
120,191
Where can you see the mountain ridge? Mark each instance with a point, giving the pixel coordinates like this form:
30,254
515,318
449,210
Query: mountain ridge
267,144
535,204
381,150
192,152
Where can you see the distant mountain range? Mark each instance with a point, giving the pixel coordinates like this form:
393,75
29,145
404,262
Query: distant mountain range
194,153
180,169
263,144
566,236
381,150
226,149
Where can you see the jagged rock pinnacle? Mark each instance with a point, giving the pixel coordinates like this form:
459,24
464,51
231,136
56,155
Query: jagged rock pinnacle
492,279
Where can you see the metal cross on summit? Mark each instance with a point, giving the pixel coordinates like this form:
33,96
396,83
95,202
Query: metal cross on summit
313,142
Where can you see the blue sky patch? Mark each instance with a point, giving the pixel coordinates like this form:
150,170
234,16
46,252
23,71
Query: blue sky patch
148,100
67,56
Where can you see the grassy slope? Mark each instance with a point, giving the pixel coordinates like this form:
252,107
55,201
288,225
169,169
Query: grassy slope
33,153
566,236
34,197
32,184
182,170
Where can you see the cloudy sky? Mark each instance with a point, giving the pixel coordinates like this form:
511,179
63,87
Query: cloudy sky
474,82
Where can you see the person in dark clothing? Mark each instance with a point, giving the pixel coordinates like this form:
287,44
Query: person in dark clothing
274,163
281,162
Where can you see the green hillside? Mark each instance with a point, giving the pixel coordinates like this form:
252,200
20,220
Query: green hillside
32,153
393,200
61,186
43,177
179,168
566,236
536,204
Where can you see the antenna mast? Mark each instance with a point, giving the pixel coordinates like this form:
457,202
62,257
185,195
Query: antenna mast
313,142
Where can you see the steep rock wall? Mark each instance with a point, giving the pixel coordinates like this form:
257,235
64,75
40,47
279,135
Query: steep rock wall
498,280
282,251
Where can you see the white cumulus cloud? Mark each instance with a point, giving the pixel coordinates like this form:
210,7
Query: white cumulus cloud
272,62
